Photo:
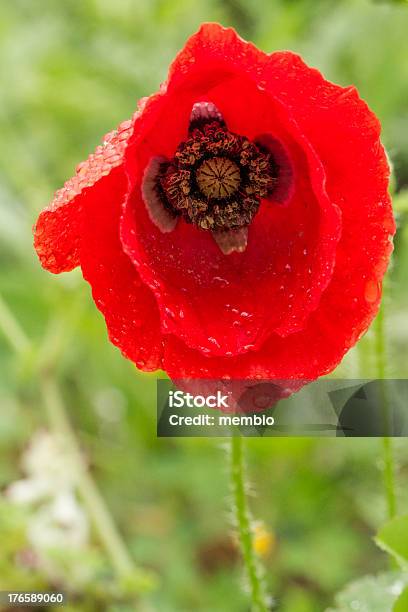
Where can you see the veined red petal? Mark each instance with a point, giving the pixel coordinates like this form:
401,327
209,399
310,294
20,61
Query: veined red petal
346,136
309,281
57,233
81,227
228,304
127,304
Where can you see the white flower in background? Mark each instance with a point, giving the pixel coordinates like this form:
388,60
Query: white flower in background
61,524
57,520
48,470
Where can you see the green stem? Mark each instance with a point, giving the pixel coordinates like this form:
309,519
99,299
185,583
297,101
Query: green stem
12,330
100,516
258,597
389,480
388,456
380,344
59,422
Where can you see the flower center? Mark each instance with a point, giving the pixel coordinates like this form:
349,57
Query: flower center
216,180
218,177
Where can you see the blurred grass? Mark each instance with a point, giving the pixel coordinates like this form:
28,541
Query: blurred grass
73,71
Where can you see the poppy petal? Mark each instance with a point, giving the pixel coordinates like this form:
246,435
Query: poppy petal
127,304
57,232
308,282
346,136
229,304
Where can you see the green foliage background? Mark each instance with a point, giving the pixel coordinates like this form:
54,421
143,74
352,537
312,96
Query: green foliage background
72,71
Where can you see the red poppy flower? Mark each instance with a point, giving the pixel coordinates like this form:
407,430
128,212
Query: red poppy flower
239,226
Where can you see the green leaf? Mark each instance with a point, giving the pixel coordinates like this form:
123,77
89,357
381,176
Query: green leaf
371,593
401,605
393,538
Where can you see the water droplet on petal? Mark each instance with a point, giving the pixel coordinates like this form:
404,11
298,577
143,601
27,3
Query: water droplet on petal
214,341
372,291
220,281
